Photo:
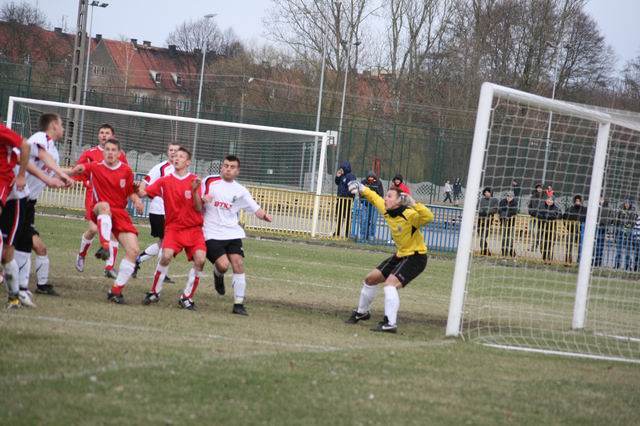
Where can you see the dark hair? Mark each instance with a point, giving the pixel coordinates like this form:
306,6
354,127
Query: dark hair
577,197
107,126
538,186
186,151
114,141
231,158
398,177
395,189
46,120
487,189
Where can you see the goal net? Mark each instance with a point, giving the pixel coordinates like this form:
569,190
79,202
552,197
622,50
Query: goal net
535,271
279,158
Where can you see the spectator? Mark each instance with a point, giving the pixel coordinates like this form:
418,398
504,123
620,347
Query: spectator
487,207
625,220
517,191
507,210
547,216
536,202
549,191
574,218
343,204
606,219
368,212
448,190
457,190
398,182
635,244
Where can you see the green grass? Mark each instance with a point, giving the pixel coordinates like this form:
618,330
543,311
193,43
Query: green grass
77,359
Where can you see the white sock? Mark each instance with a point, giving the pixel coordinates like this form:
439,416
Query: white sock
192,283
367,294
113,253
391,303
84,246
104,228
158,278
42,269
239,285
11,277
124,273
152,251
23,259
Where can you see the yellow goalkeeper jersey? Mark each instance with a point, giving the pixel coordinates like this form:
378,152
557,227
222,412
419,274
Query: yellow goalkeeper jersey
405,223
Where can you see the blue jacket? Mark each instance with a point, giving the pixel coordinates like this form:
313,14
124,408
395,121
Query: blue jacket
343,181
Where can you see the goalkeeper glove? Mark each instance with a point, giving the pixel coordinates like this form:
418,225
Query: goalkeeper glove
355,187
407,200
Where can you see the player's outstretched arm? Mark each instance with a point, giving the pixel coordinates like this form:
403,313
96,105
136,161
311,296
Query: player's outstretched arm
21,179
48,160
51,182
261,214
371,196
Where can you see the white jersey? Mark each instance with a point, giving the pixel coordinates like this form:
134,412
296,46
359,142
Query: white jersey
15,194
159,170
221,213
39,141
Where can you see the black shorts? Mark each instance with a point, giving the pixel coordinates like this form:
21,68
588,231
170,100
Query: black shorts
157,225
12,220
217,248
24,239
404,268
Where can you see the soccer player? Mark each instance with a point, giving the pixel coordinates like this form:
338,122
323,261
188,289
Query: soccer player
183,227
222,199
42,166
96,154
156,208
404,217
8,141
112,185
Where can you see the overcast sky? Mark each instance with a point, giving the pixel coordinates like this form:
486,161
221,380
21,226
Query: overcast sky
153,19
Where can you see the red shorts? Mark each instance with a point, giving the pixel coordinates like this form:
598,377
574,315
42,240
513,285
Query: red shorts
120,222
88,203
189,239
5,190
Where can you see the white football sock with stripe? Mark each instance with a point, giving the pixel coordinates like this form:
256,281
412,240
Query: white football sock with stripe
84,246
42,269
158,278
23,259
152,251
11,275
239,286
391,303
124,273
192,284
367,294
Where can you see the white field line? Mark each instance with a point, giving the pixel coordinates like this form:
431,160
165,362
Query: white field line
623,338
561,353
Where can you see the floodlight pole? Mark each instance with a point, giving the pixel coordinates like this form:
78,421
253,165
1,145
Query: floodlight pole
204,57
319,110
344,95
547,148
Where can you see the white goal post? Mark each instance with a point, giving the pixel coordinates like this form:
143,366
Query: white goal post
270,156
515,299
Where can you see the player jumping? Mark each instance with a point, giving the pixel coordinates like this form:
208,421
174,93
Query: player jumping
156,208
112,185
223,198
404,217
96,154
183,228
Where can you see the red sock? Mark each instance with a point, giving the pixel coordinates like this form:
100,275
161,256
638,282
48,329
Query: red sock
117,290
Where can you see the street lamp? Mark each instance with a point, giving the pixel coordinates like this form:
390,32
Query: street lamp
547,148
204,56
93,4
319,110
344,94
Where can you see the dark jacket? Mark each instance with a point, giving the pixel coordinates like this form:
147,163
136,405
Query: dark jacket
575,213
626,218
548,213
343,181
376,185
607,215
517,190
487,206
457,188
508,209
536,203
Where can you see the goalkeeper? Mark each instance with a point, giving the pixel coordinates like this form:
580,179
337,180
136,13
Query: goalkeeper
404,217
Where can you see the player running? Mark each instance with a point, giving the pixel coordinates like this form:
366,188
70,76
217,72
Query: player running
112,185
183,227
404,217
96,154
156,208
42,167
8,178
223,198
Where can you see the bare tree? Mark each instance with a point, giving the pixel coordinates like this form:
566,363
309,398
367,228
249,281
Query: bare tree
23,13
631,79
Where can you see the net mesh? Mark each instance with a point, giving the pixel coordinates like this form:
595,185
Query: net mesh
271,158
523,271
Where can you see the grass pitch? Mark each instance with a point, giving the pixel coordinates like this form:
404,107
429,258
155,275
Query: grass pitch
80,360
